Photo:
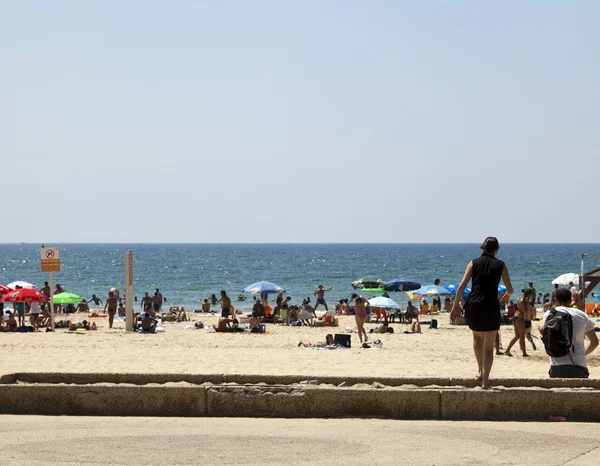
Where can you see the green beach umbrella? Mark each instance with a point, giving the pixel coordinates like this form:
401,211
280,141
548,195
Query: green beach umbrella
67,298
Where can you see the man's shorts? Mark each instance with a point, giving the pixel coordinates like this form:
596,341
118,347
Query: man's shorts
156,307
225,312
568,371
320,301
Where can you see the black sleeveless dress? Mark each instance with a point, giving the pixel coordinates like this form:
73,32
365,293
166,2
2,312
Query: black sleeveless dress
482,309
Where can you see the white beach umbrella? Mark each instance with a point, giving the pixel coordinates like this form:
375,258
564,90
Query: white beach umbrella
22,284
380,301
565,279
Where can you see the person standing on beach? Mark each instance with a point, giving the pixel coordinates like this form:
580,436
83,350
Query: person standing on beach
573,364
111,304
147,304
45,290
157,301
520,319
360,316
482,309
320,294
225,304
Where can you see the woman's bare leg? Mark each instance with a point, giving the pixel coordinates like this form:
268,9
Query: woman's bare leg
489,339
359,327
519,327
478,350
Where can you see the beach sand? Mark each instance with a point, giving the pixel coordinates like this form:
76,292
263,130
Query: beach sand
446,351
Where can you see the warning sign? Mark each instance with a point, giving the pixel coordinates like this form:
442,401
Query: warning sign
50,258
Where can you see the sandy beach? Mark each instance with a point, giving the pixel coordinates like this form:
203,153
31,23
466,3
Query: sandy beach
445,351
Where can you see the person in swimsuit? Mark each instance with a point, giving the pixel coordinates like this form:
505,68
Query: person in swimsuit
111,304
361,316
225,304
147,304
206,306
83,306
320,344
482,309
320,294
518,320
95,299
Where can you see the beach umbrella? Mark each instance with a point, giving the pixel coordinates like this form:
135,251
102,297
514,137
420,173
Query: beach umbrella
431,290
453,288
380,301
67,298
367,282
372,290
564,279
401,284
22,284
4,289
263,288
24,295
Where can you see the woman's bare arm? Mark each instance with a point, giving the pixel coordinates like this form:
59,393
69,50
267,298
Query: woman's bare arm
461,288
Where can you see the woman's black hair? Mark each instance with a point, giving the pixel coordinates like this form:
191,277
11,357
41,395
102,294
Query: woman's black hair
490,244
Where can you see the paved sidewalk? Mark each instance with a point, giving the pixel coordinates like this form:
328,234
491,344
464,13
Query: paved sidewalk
43,440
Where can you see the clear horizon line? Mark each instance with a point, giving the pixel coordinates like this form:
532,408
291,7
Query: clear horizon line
290,243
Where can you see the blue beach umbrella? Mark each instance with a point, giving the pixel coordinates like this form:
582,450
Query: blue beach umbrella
262,288
401,284
453,288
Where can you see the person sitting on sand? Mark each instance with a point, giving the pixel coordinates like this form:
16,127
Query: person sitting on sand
83,306
411,312
206,306
320,344
307,314
148,324
11,322
224,324
255,325
121,311
258,310
178,313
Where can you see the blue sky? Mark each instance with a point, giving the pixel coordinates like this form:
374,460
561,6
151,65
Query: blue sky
307,121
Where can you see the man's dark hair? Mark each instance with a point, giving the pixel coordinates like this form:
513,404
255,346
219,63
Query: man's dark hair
556,286
223,292
563,296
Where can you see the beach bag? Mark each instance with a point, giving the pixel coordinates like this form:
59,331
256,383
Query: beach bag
433,323
342,340
558,333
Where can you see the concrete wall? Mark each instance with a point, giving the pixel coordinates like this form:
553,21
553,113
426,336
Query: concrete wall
144,379
201,395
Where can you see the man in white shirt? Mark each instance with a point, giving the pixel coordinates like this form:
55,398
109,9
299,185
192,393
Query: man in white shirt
573,365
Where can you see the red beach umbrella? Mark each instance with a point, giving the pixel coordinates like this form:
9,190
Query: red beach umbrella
4,289
24,295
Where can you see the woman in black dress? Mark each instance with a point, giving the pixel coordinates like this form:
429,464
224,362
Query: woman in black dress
482,309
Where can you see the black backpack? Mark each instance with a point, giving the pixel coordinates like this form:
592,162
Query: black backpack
558,333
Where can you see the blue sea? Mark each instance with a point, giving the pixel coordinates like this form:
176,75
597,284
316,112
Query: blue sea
187,273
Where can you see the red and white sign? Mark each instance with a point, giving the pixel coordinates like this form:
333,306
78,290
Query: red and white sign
50,258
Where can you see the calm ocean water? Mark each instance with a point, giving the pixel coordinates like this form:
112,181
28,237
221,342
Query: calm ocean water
186,273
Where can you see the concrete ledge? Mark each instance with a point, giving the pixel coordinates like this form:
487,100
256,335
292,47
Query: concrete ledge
102,400
277,401
522,405
269,396
198,379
